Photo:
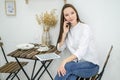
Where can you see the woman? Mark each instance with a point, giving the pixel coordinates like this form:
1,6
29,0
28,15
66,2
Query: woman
78,39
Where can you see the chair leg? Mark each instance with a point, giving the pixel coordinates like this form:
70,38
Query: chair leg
15,74
11,75
8,76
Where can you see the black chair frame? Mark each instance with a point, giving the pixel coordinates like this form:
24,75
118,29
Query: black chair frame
99,75
10,67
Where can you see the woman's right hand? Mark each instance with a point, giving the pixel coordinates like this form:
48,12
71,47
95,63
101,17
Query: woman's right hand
65,31
65,27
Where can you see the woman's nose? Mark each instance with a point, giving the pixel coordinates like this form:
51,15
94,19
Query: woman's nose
70,16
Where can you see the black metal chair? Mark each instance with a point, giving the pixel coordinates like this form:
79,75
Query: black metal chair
10,67
99,75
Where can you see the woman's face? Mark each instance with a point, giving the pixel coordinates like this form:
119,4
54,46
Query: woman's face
70,15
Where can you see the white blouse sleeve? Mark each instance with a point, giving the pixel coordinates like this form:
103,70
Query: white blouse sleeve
62,47
83,43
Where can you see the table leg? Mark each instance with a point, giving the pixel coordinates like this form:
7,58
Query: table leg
45,66
33,70
37,72
22,69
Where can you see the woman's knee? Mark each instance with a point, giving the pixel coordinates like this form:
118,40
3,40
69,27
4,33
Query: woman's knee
69,65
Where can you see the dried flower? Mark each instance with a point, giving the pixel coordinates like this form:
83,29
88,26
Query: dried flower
47,19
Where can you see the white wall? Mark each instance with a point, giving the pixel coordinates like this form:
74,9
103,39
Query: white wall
102,15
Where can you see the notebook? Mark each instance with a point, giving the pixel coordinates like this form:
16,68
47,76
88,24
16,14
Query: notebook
49,56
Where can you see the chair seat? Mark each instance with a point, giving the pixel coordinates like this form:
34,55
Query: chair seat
11,67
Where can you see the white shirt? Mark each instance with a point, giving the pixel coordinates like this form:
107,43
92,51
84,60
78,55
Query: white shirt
80,42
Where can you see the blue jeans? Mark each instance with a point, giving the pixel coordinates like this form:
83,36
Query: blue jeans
83,69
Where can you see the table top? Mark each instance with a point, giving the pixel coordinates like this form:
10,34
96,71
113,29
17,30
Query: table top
30,53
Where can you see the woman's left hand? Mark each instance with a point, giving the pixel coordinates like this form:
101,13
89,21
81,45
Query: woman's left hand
61,70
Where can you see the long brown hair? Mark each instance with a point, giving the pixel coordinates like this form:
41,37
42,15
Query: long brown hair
62,19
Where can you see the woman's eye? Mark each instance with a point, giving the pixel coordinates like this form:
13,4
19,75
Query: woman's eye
72,12
66,14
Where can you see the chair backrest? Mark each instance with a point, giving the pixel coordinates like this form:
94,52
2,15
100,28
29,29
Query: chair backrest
105,63
99,76
1,45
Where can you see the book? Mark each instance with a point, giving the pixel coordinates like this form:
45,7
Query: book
47,56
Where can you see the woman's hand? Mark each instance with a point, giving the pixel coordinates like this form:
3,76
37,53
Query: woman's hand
61,70
65,27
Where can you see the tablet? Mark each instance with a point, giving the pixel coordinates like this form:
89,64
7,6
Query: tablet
47,56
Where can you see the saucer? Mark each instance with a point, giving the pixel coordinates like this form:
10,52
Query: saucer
25,46
43,48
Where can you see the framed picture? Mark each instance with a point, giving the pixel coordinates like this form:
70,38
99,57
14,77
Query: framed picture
10,7
65,1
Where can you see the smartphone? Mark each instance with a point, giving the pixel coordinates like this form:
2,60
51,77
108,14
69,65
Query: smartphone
68,24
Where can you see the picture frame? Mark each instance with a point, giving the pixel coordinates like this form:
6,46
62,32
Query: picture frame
10,7
65,1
